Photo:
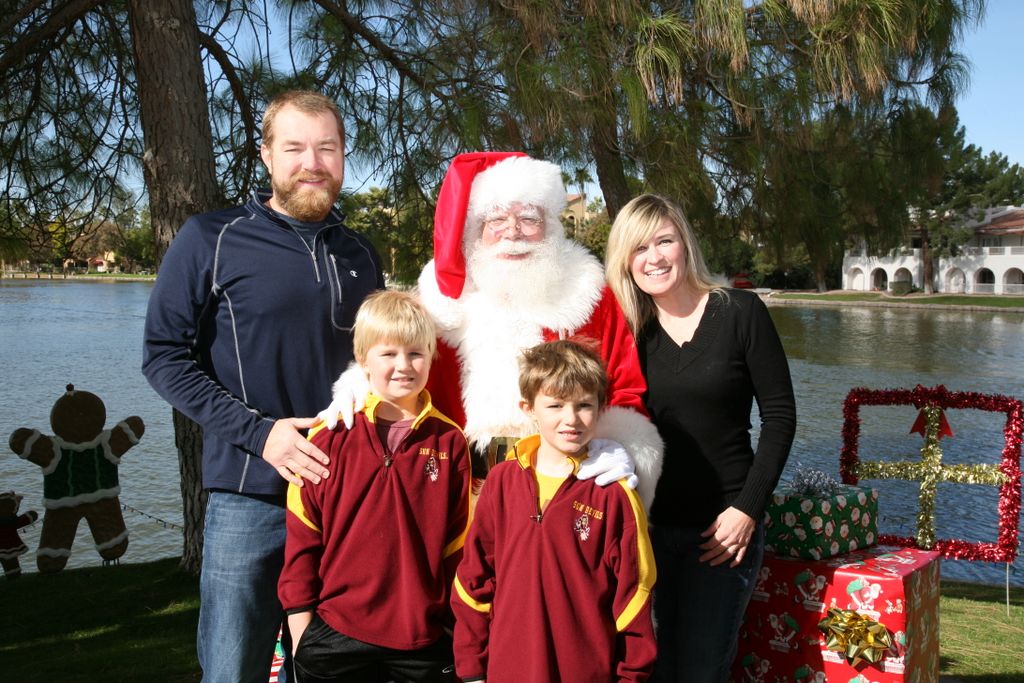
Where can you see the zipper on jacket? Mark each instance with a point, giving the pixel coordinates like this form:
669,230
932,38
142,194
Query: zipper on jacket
389,458
311,250
336,287
337,276
316,266
539,517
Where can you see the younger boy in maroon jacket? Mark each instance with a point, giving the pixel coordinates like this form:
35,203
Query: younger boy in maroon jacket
556,576
371,550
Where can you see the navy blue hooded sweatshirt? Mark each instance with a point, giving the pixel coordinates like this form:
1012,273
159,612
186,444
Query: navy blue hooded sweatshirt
246,324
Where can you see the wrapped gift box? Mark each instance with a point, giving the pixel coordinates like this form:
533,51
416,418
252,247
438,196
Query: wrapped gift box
897,587
814,528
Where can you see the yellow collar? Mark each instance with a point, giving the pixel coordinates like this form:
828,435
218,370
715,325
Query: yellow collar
525,453
373,401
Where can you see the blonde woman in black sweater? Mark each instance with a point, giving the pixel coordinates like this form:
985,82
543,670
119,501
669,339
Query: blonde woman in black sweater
707,353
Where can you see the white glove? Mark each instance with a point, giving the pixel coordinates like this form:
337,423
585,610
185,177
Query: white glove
348,397
608,461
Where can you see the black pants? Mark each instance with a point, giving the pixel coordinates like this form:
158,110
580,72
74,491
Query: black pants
326,656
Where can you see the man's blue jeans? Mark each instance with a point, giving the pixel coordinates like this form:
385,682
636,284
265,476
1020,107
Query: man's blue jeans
699,608
239,613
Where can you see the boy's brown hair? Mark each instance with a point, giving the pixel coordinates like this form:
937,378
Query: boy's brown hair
395,317
564,369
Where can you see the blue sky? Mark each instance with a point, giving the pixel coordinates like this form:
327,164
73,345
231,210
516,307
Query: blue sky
992,109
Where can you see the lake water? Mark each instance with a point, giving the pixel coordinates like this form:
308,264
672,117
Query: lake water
89,334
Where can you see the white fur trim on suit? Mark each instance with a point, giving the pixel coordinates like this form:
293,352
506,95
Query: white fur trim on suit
448,313
640,438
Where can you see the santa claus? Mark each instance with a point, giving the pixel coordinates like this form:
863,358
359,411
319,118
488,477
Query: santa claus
505,278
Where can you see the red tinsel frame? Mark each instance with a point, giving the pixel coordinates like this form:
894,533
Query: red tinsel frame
1005,550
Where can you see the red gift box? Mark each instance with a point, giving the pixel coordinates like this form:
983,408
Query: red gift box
897,587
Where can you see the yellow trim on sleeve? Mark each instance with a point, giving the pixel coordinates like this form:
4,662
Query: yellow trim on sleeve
456,544
647,573
296,507
484,607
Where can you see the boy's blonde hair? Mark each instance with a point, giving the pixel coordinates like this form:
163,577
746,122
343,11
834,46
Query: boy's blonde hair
564,369
390,316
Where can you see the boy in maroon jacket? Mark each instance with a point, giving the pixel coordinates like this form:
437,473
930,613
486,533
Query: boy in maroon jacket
371,550
556,576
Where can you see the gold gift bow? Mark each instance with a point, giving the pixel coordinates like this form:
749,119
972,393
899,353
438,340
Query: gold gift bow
855,636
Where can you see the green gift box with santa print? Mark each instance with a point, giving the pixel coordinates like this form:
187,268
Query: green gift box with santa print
814,526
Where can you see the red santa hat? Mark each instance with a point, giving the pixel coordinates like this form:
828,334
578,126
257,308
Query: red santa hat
475,184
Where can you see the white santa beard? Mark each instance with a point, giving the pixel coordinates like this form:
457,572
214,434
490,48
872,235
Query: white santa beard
490,371
500,321
556,288
516,283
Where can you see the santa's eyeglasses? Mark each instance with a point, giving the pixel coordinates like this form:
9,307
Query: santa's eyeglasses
527,225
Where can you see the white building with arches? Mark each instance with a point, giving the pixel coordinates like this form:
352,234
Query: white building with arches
991,262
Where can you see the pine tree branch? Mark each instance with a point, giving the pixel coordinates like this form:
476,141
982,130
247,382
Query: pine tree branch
60,19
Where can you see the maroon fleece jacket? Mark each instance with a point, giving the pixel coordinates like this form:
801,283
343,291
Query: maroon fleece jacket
372,548
559,596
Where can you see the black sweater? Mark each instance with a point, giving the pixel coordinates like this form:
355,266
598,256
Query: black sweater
700,396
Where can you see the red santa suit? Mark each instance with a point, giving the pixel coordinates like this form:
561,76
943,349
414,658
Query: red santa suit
475,379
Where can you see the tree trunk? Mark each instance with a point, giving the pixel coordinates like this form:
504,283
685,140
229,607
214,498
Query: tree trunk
178,168
178,164
188,437
928,270
611,174
819,277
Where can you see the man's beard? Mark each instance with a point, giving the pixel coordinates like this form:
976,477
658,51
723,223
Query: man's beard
516,283
308,204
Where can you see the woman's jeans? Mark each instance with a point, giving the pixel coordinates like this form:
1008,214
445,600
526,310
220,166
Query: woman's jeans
239,613
698,608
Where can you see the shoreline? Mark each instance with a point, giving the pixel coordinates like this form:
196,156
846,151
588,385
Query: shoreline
58,277
772,298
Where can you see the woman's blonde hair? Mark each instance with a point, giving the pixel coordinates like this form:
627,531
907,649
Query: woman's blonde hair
390,316
564,369
634,225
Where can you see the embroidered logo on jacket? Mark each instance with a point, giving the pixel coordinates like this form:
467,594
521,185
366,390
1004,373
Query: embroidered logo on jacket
587,510
582,527
431,469
441,455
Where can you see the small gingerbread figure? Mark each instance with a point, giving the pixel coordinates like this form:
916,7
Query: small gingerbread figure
11,545
79,476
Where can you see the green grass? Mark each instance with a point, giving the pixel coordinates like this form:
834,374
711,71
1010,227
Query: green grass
1012,302
131,622
979,641
137,622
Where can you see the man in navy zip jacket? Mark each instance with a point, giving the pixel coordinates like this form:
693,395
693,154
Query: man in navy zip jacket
248,323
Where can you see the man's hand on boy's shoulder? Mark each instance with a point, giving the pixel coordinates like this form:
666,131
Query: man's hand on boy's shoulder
288,451
607,461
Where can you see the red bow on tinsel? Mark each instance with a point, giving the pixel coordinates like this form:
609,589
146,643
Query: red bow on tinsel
921,425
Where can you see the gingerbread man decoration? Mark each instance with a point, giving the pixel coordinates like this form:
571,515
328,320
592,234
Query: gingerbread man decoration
79,476
11,545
